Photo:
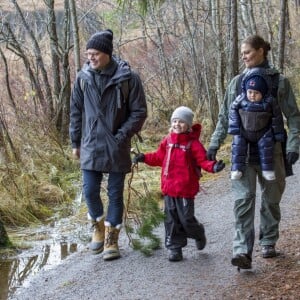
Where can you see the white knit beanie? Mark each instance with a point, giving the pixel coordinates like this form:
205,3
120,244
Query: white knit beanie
183,113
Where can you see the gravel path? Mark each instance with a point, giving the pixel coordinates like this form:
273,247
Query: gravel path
201,275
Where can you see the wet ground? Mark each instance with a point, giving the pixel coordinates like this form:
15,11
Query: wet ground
48,246
205,274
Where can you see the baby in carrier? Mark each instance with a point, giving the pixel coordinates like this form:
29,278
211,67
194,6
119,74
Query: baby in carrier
256,123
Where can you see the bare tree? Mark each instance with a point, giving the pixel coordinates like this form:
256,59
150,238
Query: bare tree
247,17
54,48
282,31
217,29
4,240
75,34
7,81
233,67
39,60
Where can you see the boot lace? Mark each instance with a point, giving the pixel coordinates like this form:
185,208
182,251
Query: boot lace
111,238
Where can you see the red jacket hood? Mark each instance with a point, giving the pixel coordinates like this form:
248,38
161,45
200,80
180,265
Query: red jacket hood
185,137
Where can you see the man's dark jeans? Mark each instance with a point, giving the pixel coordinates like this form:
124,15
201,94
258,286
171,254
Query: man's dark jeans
115,187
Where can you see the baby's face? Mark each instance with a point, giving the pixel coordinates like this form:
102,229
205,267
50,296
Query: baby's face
254,95
179,126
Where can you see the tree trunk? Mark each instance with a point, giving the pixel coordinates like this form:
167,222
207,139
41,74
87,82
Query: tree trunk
16,48
4,240
7,81
233,52
39,61
54,50
194,57
75,31
247,18
282,30
216,25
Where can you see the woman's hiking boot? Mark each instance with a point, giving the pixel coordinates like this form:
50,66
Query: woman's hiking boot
242,261
97,242
111,248
175,254
268,251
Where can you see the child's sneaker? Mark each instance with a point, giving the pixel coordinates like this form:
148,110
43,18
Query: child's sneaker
269,175
235,175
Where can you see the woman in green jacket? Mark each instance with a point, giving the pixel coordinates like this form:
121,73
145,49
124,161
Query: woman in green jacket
254,51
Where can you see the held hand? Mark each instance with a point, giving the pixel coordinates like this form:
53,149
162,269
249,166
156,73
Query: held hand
219,166
292,157
119,138
211,153
138,158
76,153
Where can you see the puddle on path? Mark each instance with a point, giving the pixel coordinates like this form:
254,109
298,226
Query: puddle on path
49,246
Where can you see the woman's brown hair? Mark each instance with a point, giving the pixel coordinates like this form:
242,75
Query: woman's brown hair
257,42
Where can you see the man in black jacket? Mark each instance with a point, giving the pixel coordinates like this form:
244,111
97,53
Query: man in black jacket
108,107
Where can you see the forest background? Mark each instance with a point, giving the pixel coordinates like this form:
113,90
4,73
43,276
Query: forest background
186,51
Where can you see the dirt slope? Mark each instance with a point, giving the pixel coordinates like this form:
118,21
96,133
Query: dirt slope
205,274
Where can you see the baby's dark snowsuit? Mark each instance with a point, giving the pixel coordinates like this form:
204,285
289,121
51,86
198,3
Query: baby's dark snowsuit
255,126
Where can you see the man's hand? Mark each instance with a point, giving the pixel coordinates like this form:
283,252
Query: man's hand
76,153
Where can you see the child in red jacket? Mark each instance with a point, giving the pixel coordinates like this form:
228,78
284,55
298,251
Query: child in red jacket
181,155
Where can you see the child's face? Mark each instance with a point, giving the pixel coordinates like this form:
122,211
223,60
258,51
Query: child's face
179,126
253,95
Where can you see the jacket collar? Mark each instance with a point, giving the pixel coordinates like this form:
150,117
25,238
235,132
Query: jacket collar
183,138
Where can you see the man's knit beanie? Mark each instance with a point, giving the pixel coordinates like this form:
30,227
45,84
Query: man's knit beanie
183,113
257,83
101,41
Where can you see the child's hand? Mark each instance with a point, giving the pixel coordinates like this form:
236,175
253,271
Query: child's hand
138,158
219,166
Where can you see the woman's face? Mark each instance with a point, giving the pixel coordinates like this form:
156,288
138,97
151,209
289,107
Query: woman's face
250,56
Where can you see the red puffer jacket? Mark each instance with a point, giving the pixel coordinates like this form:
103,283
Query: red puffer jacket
179,177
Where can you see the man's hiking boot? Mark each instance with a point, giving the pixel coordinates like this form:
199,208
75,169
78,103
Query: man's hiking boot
242,261
97,242
175,254
268,251
111,248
